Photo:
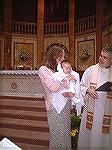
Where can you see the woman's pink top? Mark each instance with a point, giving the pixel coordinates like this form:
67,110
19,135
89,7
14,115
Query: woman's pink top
50,85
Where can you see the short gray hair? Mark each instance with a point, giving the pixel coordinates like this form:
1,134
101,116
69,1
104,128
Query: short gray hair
107,49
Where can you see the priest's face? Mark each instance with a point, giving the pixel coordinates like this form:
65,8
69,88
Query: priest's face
104,59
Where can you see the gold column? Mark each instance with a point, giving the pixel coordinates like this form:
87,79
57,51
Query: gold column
99,15
7,33
71,32
40,31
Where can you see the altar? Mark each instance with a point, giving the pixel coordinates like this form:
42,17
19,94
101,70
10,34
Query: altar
20,83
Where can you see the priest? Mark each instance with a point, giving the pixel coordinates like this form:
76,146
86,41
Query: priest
96,123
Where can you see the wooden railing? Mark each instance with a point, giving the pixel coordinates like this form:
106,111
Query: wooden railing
24,28
54,28
85,24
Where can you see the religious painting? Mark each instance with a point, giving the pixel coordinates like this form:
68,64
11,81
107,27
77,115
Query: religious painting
85,54
23,55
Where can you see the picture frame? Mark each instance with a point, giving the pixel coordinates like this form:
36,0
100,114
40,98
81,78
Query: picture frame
23,55
85,54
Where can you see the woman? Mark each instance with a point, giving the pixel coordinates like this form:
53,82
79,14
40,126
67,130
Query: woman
59,124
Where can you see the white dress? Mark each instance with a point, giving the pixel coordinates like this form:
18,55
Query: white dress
74,87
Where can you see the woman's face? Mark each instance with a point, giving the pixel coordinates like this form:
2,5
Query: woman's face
61,57
104,59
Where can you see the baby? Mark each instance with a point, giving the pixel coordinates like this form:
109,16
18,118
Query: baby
65,70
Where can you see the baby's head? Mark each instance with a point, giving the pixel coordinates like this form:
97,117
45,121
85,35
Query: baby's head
66,67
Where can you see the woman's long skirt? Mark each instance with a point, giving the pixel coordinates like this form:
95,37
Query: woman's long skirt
59,128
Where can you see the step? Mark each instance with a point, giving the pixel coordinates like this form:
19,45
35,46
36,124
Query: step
18,114
25,113
28,146
40,126
22,108
39,118
23,134
23,103
22,98
25,143
23,122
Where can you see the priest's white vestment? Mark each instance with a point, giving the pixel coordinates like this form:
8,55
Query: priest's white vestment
96,123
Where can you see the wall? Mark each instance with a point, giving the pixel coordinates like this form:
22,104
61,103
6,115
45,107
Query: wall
1,53
56,39
82,42
107,36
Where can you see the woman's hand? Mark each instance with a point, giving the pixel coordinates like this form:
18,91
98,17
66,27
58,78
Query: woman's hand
70,77
65,83
68,94
92,93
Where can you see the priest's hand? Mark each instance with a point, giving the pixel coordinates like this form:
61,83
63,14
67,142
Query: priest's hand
92,93
111,88
110,92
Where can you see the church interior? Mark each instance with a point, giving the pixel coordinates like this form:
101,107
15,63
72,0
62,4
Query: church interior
28,28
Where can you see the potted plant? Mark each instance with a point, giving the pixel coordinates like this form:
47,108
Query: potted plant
75,125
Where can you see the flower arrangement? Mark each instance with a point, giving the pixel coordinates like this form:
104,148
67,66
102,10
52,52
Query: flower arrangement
24,55
75,125
73,132
85,55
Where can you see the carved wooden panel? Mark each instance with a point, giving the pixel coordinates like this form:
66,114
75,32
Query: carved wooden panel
85,54
24,55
